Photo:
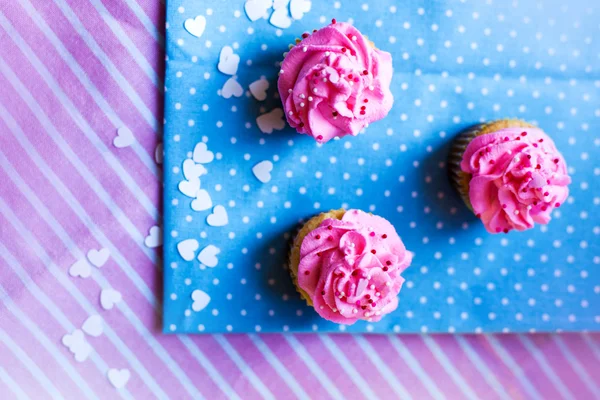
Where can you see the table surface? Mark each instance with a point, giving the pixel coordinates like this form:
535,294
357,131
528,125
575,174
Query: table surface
73,72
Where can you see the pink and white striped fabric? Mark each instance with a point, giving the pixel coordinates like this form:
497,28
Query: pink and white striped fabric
72,72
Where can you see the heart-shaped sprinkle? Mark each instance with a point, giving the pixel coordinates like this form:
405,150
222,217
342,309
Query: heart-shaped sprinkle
98,257
299,7
195,26
208,256
109,297
202,155
259,88
124,138
228,61
187,249
257,9
191,170
189,188
232,88
81,268
273,120
119,377
93,326
262,171
154,238
77,345
281,18
202,201
218,217
201,300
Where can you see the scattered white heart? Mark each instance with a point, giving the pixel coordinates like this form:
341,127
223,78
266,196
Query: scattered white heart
189,188
281,18
187,249
257,9
109,297
208,256
299,7
202,201
201,300
77,345
191,170
232,88
202,155
228,61
119,377
98,257
124,138
259,88
195,26
270,121
81,268
93,326
262,171
218,217
159,153
154,238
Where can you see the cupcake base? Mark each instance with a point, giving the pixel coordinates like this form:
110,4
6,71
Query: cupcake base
308,227
459,179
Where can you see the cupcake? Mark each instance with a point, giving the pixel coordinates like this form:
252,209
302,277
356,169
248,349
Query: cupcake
334,83
348,265
509,173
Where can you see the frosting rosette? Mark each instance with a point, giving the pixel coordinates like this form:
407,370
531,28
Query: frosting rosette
334,83
351,268
517,177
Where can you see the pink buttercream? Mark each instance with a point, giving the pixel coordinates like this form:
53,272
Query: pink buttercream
351,268
518,178
334,83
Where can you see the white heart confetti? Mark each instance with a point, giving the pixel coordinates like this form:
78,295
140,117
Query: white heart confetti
202,201
189,188
154,238
98,257
208,256
191,170
299,7
119,377
262,171
77,345
257,9
232,88
109,297
93,326
202,155
187,249
259,88
281,18
201,300
80,268
228,61
124,138
218,217
195,26
270,121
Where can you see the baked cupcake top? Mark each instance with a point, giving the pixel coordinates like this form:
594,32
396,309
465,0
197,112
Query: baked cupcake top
517,178
334,83
351,268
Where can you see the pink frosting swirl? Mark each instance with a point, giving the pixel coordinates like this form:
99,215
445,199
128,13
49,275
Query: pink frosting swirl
518,177
351,268
334,83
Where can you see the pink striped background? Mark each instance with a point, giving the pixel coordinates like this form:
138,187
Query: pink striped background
71,73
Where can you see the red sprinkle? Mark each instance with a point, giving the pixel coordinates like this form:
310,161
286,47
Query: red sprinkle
304,35
367,296
538,166
385,268
323,293
363,112
535,145
535,203
370,300
544,207
365,72
350,76
541,140
384,236
523,133
306,272
478,215
504,206
365,100
374,305
374,251
330,238
388,262
363,307
318,237
330,227
556,161
320,137
529,156
314,30
505,230
301,125
492,162
333,21
518,138
335,113
546,193
362,107
556,204
372,234
354,273
344,49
